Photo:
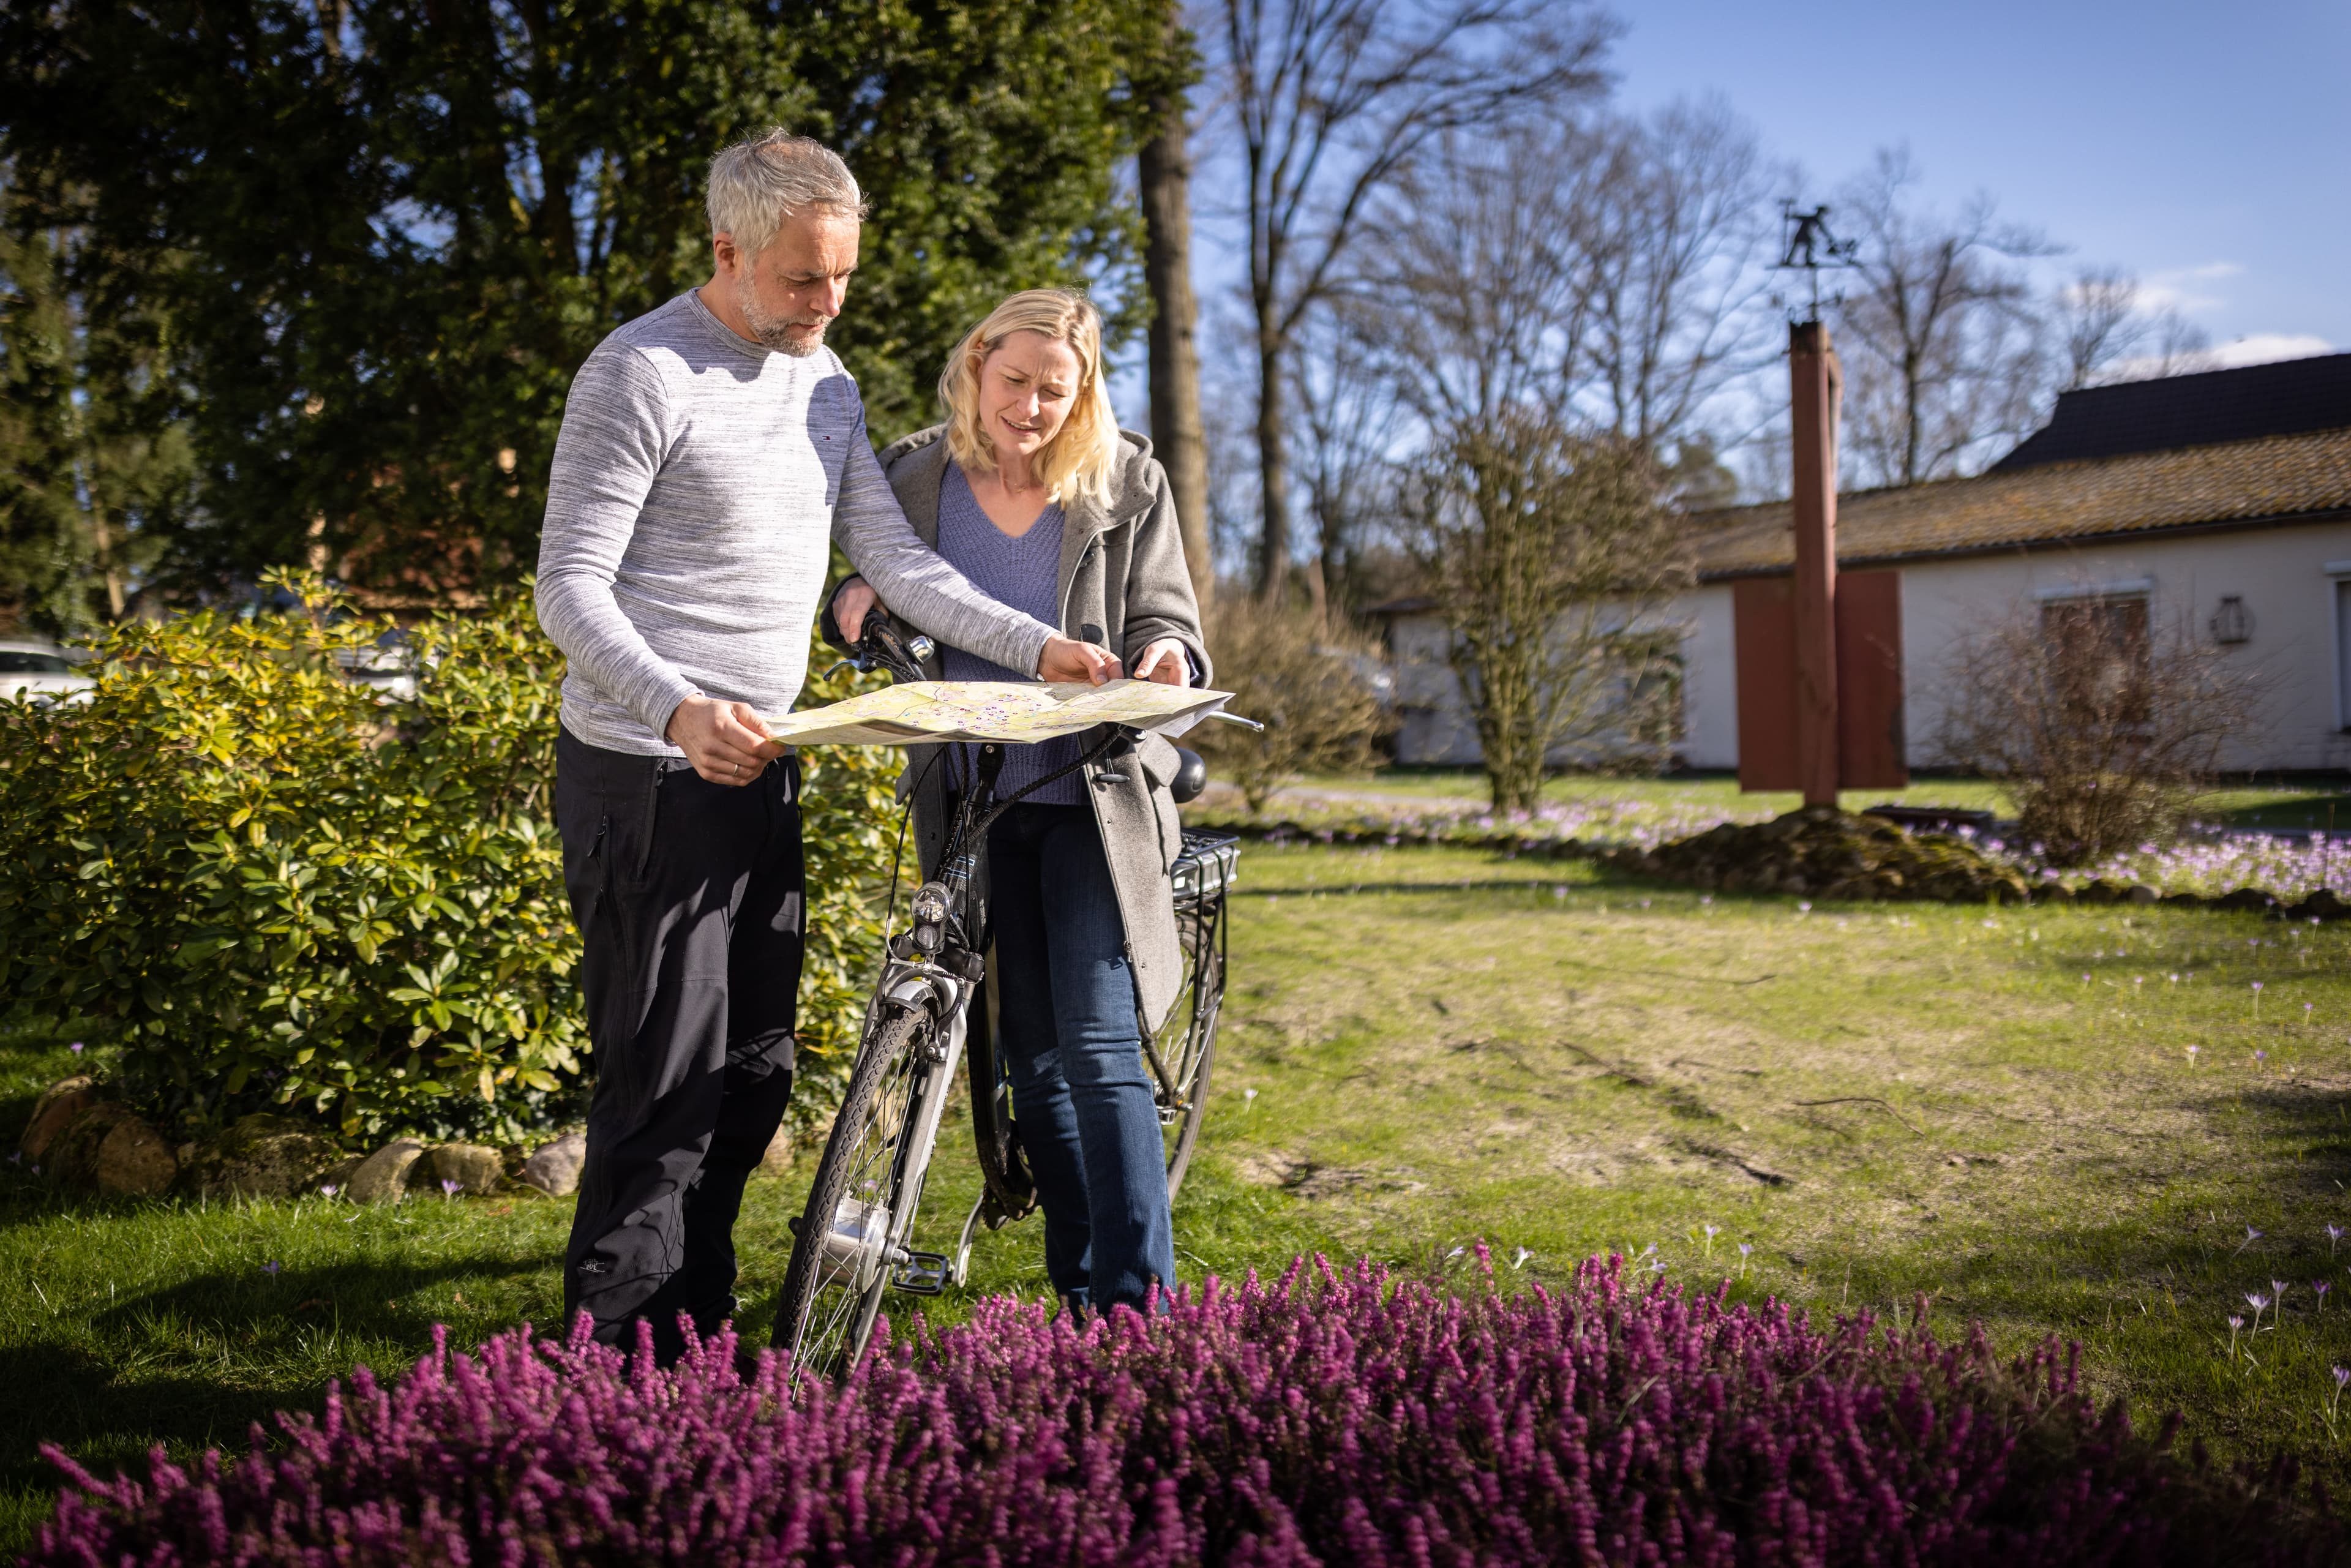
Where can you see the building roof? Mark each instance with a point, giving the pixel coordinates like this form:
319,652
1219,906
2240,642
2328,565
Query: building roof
2288,397
2276,480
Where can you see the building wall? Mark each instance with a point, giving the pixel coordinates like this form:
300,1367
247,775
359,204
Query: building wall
2298,637
1432,722
1710,680
2279,573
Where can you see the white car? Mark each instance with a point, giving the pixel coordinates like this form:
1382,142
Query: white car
389,668
42,670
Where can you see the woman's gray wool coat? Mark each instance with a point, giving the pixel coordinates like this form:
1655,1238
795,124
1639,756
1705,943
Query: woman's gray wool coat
1123,583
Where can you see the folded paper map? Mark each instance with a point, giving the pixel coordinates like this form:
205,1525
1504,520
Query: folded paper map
1017,712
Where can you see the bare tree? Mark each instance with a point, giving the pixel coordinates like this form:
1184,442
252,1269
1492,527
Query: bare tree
1472,292
1679,226
1351,419
1552,563
1332,100
2105,333
1610,267
1939,337
2103,726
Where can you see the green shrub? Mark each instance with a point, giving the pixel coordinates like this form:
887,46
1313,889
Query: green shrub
266,883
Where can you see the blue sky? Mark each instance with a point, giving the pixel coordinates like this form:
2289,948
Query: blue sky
2205,147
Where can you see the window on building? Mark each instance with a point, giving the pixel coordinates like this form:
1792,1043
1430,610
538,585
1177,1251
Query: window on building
2100,655
2343,651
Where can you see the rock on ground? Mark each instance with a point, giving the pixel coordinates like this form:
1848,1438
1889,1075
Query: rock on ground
133,1161
383,1176
262,1155
72,1153
554,1168
59,1103
475,1168
778,1158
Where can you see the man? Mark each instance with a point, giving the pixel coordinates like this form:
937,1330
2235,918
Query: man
709,451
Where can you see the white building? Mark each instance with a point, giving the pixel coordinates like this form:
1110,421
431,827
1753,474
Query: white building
2222,501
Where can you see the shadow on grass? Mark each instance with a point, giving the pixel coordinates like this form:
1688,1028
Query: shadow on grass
2304,812
322,1323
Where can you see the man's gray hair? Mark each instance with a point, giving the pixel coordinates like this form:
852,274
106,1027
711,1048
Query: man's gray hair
757,184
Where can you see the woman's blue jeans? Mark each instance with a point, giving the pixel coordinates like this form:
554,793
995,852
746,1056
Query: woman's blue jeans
1066,1013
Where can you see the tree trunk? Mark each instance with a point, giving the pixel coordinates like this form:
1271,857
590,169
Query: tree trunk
1165,171
1273,470
1330,569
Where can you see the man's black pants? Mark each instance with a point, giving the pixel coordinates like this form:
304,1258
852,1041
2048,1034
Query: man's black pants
690,902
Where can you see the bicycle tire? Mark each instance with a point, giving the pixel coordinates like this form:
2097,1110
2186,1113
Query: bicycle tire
1197,1009
826,1314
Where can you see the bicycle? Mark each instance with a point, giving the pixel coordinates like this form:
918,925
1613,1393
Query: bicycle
850,1242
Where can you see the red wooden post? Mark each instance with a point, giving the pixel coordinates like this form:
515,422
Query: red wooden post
1814,384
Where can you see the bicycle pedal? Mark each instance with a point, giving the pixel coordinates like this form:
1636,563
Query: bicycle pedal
922,1273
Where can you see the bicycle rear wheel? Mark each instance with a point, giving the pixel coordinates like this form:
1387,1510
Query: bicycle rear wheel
1184,1050
840,1256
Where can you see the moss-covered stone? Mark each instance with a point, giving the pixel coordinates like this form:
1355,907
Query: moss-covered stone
261,1156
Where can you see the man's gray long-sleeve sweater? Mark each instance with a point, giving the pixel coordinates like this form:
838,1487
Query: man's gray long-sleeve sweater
697,480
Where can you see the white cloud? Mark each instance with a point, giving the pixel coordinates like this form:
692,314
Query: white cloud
2261,348
2178,289
2257,349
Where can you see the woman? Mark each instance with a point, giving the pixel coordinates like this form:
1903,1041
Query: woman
1033,492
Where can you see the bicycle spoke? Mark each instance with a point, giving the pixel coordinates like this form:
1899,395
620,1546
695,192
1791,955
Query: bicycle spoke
861,1188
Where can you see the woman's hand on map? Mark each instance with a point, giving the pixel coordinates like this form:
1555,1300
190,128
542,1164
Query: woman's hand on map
1165,662
1067,659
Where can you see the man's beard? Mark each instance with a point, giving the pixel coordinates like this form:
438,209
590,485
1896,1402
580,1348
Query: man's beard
798,336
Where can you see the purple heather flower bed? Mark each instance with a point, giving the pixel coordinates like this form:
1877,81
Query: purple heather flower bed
1327,1417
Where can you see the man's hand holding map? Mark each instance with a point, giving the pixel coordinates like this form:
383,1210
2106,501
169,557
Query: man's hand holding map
994,710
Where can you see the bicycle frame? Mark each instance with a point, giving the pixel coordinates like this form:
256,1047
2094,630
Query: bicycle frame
937,967
939,964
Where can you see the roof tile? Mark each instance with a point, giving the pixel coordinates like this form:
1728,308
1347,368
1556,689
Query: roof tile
2277,477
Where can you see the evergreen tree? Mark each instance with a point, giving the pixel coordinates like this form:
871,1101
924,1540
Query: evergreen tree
95,469
386,232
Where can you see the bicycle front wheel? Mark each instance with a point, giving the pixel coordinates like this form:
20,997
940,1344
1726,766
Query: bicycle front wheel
841,1259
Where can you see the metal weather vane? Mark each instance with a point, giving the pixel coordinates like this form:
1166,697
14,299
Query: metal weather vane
1807,246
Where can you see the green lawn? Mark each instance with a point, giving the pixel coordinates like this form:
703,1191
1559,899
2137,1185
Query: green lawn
1443,1046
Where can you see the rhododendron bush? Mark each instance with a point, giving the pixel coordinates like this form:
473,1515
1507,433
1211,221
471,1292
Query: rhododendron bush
1328,1417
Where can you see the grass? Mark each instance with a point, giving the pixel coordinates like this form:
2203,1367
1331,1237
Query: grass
1880,1101
2303,804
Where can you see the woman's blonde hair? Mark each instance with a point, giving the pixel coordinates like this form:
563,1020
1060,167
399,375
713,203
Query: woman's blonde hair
1079,459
